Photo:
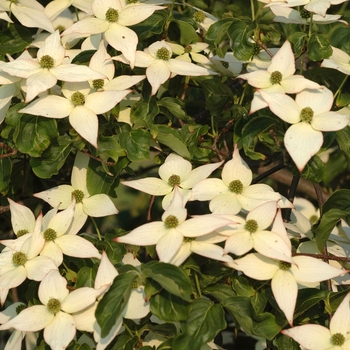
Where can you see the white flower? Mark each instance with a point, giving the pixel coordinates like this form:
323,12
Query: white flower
190,52
262,60
175,171
86,205
29,13
227,65
54,316
169,233
279,77
56,7
319,7
339,60
112,19
317,337
204,19
160,66
42,73
79,105
285,276
234,191
310,115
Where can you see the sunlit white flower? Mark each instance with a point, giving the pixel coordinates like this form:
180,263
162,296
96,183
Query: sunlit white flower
310,115
203,19
56,7
169,234
317,337
175,171
29,13
339,60
42,73
160,66
227,65
112,19
234,191
190,52
79,105
54,316
97,205
285,276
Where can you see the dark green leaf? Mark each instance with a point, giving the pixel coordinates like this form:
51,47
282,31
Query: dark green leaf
318,47
240,32
14,39
152,25
343,139
174,106
298,39
182,31
136,144
85,277
218,31
314,170
340,38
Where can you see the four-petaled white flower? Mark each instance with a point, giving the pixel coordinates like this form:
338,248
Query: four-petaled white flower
190,52
169,234
160,66
97,205
339,60
234,191
317,337
175,171
54,316
112,19
227,65
310,115
43,72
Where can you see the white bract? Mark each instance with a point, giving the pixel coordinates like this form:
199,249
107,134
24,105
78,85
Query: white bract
160,66
79,105
317,337
234,191
54,316
169,234
175,171
339,60
43,72
97,205
190,52
228,65
112,19
310,115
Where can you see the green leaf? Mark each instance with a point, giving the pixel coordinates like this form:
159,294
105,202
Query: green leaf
169,308
124,342
239,33
205,321
144,112
242,287
262,325
171,138
314,170
335,208
114,301
52,159
343,139
174,106
84,57
151,26
34,134
340,38
136,144
14,39
5,172
319,47
298,39
170,277
182,31
109,147
85,277
218,32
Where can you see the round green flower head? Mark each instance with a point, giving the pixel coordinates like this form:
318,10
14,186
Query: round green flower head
46,61
21,233
337,339
49,235
199,16
163,54
285,266
171,221
78,195
305,14
251,226
306,114
53,305
19,259
225,64
174,180
98,83
112,15
276,77
78,99
236,186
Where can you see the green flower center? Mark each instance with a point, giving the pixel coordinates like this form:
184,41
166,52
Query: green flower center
313,219
189,239
174,180
163,54
21,233
228,14
225,64
199,16
337,339
20,308
78,98
112,15
98,83
54,305
188,49
306,114
305,14
19,258
171,221
46,62
78,195
256,50
276,77
285,266
251,226
50,235
236,186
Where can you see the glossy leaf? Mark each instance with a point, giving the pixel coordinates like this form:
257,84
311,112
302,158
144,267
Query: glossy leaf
14,39
319,47
136,144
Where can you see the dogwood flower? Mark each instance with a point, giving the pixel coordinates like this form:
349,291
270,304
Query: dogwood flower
319,7
23,262
175,171
43,72
317,337
97,205
160,66
79,105
29,13
310,115
204,19
279,77
112,19
56,7
190,52
228,65
339,60
54,316
234,191
169,234
285,276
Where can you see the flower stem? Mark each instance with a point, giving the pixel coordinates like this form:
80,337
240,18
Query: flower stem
96,228
341,86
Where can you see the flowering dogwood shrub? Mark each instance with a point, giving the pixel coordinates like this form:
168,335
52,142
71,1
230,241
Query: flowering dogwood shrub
150,155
